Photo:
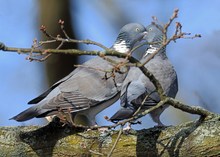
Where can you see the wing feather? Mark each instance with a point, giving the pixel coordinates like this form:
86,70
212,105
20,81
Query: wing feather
71,101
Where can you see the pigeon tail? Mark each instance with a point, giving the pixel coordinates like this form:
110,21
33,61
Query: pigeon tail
28,114
123,113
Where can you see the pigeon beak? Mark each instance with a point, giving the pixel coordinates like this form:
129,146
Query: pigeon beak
145,34
139,36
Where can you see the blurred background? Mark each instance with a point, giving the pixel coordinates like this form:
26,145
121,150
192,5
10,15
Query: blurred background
197,61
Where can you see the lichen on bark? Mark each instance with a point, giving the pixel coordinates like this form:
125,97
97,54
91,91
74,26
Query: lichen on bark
198,138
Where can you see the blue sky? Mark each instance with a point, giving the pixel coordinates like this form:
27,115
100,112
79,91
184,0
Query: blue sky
197,61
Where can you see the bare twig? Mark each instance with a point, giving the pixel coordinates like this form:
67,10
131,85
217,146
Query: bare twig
138,46
142,103
96,153
189,109
167,25
175,103
61,22
56,51
116,141
177,35
67,38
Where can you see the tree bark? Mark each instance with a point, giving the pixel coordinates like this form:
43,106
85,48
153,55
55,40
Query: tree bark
199,138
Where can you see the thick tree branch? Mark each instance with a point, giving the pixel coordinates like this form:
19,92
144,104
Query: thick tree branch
199,138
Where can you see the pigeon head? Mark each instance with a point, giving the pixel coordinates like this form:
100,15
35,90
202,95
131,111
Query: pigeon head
154,37
128,36
154,33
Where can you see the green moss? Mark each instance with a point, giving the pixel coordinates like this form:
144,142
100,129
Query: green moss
57,141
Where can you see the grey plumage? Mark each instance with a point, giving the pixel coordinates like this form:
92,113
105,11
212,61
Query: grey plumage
137,86
86,91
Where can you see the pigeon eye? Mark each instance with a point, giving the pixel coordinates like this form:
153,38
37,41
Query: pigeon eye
150,29
137,29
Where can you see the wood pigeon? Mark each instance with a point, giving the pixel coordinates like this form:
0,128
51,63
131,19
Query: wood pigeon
88,89
137,86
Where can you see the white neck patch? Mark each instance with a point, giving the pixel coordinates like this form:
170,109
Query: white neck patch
151,50
121,47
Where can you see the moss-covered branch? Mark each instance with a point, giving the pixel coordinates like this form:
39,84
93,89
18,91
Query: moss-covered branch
200,138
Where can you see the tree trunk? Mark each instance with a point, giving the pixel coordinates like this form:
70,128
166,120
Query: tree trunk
200,138
58,66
